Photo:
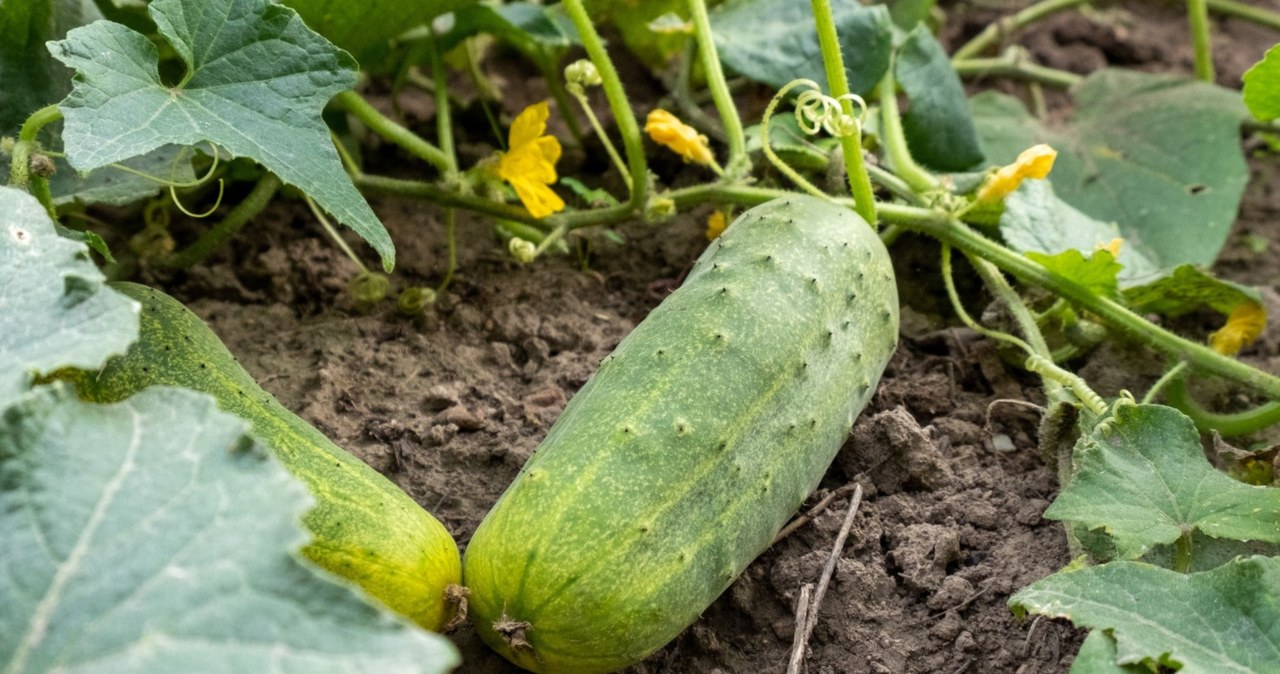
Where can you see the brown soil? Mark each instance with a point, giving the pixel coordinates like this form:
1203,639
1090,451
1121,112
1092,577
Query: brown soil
451,404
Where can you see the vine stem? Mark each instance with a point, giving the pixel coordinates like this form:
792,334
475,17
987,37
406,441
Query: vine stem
1240,10
619,104
444,115
1199,357
935,224
895,139
1228,425
20,165
738,163
604,138
838,83
391,130
1011,64
1198,19
214,237
993,32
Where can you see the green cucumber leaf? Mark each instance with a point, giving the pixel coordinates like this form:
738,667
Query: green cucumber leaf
1158,155
525,25
1098,656
791,49
939,128
366,27
55,309
256,82
32,79
154,536
1036,220
1224,621
1141,475
594,197
1188,288
1262,86
1099,273
907,14
635,21
1207,552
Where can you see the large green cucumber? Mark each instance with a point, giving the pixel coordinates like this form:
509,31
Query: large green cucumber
364,527
699,436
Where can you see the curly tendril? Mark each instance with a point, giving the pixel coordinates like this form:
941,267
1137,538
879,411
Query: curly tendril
817,111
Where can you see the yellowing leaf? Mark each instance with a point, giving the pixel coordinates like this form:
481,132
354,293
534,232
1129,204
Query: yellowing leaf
1244,325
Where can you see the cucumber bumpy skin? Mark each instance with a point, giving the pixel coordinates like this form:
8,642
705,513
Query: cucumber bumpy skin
696,440
364,527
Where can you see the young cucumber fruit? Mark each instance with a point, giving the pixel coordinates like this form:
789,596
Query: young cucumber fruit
364,527
699,436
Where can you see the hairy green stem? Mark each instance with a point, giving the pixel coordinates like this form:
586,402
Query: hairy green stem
391,130
895,139
214,237
683,92
619,104
1165,379
1012,65
1228,425
738,164
20,164
993,32
1198,356
444,115
604,139
838,82
1198,19
1240,10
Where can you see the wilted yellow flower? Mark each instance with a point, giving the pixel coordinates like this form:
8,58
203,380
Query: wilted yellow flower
665,129
1244,325
716,222
529,163
1034,162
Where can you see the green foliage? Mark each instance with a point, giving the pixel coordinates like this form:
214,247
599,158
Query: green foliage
1099,272
1158,155
791,49
1141,474
1036,220
56,312
635,20
1262,86
167,548
366,27
1214,622
1188,288
31,78
907,14
528,26
1098,656
938,125
255,83
792,145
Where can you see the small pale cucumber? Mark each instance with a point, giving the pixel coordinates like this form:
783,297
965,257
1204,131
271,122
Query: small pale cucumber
364,527
696,440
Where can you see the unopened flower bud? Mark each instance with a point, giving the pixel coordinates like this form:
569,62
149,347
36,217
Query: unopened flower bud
523,251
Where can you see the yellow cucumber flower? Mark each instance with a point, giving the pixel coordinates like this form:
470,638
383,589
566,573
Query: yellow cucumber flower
529,163
1034,162
665,129
1244,325
716,222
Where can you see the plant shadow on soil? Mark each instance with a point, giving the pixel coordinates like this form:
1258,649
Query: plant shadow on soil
450,405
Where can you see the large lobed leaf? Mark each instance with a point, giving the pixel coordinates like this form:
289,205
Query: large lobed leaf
775,41
1262,86
54,307
365,27
1141,475
1224,621
257,79
939,128
1157,155
153,536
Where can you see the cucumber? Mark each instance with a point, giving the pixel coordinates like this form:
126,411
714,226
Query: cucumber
364,527
691,446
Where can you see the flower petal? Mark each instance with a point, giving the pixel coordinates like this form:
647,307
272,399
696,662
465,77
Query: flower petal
529,125
668,131
539,199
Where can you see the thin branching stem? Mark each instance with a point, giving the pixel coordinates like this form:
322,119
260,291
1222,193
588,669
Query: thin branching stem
214,237
838,83
1009,24
738,163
